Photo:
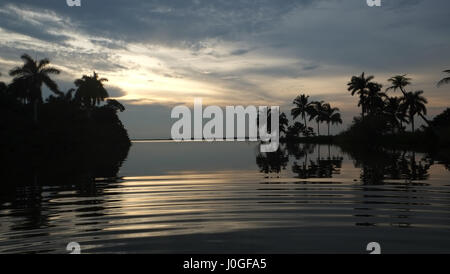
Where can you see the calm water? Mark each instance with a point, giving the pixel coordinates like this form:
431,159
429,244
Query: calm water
200,197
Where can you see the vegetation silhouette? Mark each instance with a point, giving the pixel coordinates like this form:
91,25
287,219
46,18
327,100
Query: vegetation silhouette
37,134
78,117
321,167
274,162
445,80
379,164
381,122
84,172
29,78
302,108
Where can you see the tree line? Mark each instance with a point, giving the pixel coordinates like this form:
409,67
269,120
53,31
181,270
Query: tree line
378,108
28,80
81,116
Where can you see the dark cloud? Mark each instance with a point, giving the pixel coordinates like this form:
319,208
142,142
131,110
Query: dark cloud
345,32
169,22
239,52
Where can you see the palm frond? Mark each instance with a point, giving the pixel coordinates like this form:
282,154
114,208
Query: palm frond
50,84
16,71
43,63
51,71
444,81
27,59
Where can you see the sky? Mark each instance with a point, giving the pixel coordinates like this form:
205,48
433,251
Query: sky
158,54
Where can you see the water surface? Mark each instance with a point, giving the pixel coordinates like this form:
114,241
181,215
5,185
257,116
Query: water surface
200,197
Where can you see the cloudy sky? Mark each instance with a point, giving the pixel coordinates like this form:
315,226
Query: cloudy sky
157,54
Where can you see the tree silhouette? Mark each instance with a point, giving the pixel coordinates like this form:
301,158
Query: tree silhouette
302,108
31,76
283,122
114,104
445,80
373,99
395,112
331,116
3,87
413,104
400,82
62,97
90,90
360,85
317,112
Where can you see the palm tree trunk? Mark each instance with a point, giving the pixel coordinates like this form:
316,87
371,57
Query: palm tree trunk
412,123
318,128
328,129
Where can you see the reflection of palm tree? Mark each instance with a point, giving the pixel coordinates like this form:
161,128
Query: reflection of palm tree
321,168
272,162
445,80
359,85
32,74
90,90
302,108
414,103
378,164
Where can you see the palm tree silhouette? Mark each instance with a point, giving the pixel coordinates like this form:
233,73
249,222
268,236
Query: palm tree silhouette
414,103
359,85
32,75
373,100
283,122
400,82
114,104
395,112
302,107
331,116
90,90
2,86
444,81
62,97
317,112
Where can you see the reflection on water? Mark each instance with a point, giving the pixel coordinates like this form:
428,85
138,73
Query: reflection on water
212,197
